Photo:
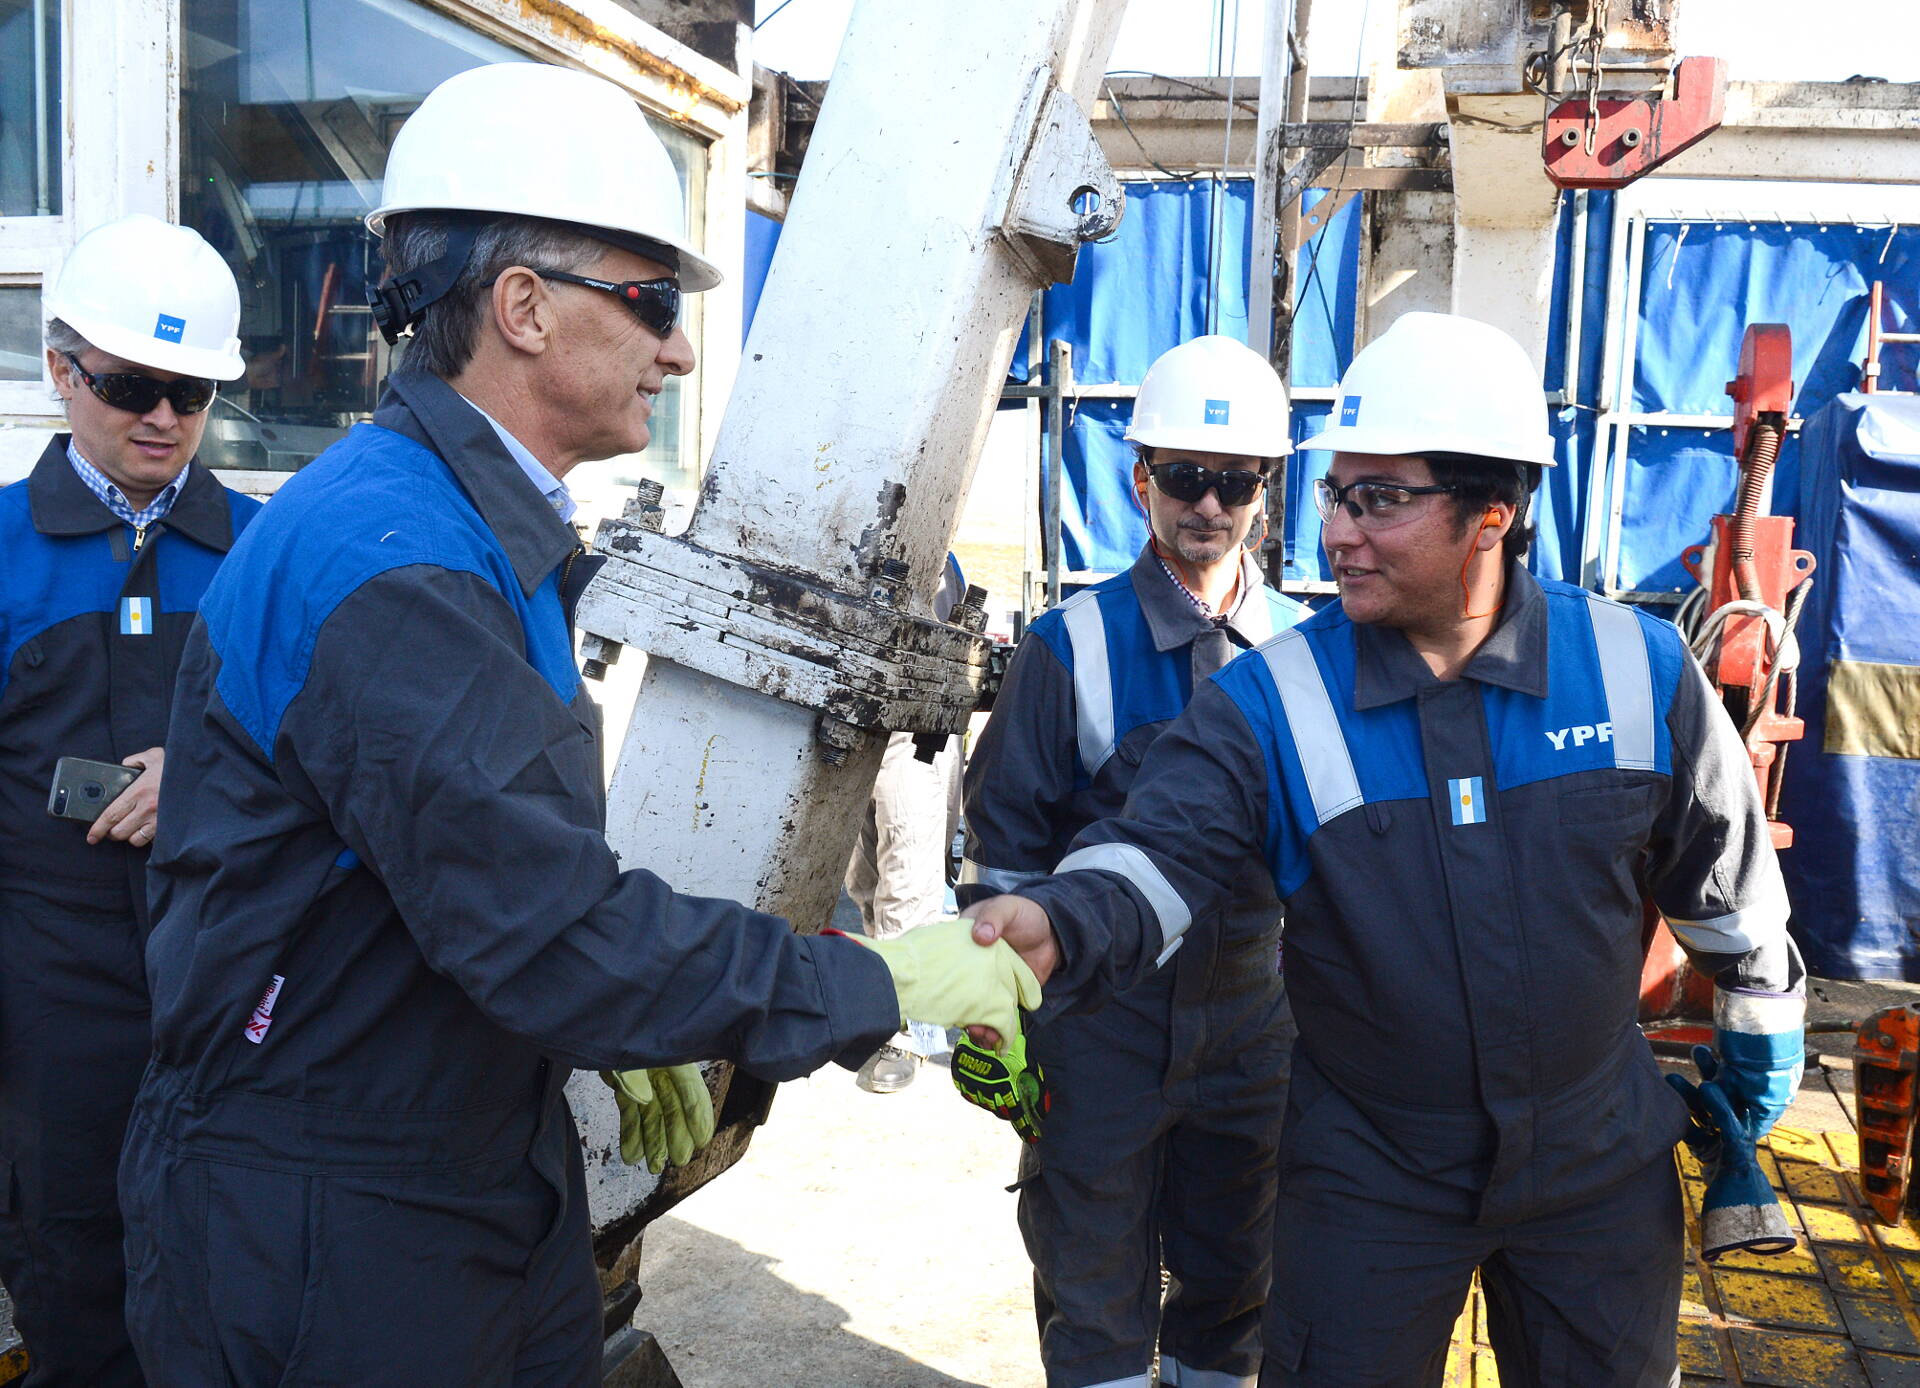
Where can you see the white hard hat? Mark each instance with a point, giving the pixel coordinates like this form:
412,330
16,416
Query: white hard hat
154,294
531,140
1440,383
1212,395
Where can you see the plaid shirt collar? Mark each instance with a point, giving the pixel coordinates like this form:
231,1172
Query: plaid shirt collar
1199,603
115,500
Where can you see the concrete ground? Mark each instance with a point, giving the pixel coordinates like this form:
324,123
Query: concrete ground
865,1241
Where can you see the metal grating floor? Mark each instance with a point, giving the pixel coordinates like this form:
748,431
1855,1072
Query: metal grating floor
1841,1311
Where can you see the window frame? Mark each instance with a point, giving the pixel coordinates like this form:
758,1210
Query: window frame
125,119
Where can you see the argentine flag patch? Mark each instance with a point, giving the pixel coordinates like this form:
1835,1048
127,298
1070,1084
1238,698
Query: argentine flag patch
136,616
1469,801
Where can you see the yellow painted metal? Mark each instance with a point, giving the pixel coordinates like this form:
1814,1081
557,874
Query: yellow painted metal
1796,1361
1778,1301
1841,1311
13,1366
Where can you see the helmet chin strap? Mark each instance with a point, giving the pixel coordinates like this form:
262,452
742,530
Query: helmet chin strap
1466,596
400,301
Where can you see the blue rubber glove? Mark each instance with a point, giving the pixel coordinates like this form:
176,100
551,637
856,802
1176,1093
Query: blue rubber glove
1740,1212
1761,1038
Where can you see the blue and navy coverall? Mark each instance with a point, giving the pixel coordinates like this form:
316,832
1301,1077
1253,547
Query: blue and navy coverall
1463,864
93,619
1167,1102
388,926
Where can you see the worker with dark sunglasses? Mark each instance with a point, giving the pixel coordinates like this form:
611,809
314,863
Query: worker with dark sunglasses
1158,1145
1465,782
108,546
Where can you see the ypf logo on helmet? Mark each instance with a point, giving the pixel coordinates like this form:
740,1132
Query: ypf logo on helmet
1441,383
531,140
154,294
1212,395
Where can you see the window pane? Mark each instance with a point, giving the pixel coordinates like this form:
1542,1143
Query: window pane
288,110
19,332
30,109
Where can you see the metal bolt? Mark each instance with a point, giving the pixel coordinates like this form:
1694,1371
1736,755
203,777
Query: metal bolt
1569,138
1630,138
596,654
970,613
834,738
886,582
644,508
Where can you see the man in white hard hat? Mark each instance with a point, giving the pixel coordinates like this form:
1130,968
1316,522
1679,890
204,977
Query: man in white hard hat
388,922
108,546
1461,781
1157,1147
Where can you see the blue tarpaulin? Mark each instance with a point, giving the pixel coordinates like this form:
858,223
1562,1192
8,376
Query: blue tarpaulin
1702,283
1146,291
1853,872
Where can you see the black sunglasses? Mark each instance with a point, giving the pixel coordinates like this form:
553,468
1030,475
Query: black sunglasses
655,303
137,393
1189,482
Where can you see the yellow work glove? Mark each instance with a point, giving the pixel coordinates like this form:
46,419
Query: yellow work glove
943,977
666,1114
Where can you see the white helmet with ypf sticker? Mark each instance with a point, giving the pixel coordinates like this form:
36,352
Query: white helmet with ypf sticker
532,140
1213,395
154,294
1440,383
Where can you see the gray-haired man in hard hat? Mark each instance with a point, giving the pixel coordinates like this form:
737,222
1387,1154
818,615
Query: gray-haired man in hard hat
389,924
104,551
1461,780
1158,1147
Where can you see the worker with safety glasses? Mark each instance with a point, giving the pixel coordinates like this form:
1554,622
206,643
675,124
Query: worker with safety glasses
105,549
1158,1142
1461,780
389,925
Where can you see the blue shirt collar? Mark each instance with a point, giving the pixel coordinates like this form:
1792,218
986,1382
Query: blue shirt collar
551,487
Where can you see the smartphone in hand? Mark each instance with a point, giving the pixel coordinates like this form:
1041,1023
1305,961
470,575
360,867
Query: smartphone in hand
82,789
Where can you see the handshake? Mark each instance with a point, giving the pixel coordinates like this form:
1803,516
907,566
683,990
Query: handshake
942,974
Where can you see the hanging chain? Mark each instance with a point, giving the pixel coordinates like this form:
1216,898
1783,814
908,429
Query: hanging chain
1593,41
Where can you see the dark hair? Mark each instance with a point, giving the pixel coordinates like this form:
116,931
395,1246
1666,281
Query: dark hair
1143,455
1485,482
443,340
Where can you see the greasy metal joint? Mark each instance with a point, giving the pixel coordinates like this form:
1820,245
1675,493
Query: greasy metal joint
861,660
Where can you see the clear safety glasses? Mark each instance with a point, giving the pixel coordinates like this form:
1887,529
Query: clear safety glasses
1373,505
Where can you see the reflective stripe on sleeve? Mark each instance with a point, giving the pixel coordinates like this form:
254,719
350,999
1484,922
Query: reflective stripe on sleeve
1739,931
1092,680
1315,726
1130,863
973,874
1628,681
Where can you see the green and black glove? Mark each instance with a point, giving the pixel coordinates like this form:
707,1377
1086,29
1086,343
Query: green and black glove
1003,1084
